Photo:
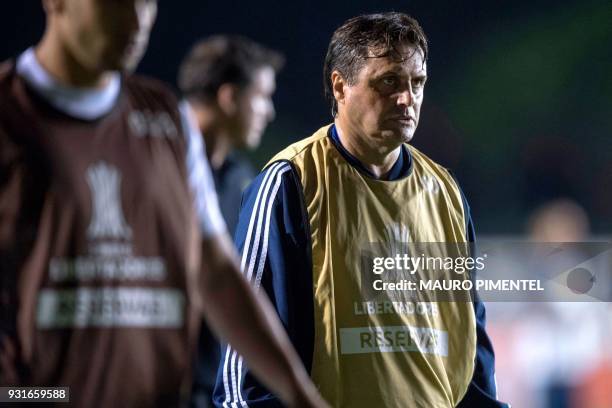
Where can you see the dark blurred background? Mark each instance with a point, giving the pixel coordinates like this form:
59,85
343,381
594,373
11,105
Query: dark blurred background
518,105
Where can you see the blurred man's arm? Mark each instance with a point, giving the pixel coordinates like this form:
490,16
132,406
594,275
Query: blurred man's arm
232,309
11,190
273,239
250,324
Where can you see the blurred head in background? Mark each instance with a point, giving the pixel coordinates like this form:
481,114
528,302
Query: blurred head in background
561,220
229,82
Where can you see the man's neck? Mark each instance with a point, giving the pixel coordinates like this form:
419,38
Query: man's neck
379,160
58,61
218,145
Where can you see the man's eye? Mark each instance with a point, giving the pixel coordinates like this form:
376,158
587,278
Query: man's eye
389,81
418,83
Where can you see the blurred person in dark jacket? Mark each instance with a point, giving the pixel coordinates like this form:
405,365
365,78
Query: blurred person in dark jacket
228,81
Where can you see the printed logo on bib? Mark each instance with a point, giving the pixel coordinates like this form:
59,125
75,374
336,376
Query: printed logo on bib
391,339
109,260
110,307
107,219
430,184
396,239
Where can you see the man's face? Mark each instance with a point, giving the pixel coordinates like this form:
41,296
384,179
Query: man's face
384,103
107,34
255,109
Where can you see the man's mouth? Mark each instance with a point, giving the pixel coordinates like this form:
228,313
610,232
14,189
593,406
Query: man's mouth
404,119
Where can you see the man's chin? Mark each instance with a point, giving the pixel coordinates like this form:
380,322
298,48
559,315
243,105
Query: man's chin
128,62
407,137
252,141
399,137
244,144
116,64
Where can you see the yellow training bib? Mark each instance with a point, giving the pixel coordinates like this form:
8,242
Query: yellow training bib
378,348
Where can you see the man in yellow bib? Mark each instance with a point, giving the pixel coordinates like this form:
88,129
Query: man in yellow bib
309,216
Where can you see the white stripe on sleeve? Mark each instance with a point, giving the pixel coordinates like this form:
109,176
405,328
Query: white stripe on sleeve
260,220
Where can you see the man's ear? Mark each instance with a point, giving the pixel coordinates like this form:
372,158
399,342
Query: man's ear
338,84
227,99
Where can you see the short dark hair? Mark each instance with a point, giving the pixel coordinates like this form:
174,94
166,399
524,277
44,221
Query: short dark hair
222,59
351,43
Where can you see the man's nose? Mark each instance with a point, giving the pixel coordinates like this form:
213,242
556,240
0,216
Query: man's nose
405,97
271,111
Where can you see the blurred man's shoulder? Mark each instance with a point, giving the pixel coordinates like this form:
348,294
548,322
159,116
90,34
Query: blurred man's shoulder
7,69
9,106
145,86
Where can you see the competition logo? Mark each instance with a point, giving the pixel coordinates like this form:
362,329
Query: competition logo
395,241
397,237
94,301
107,219
430,184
